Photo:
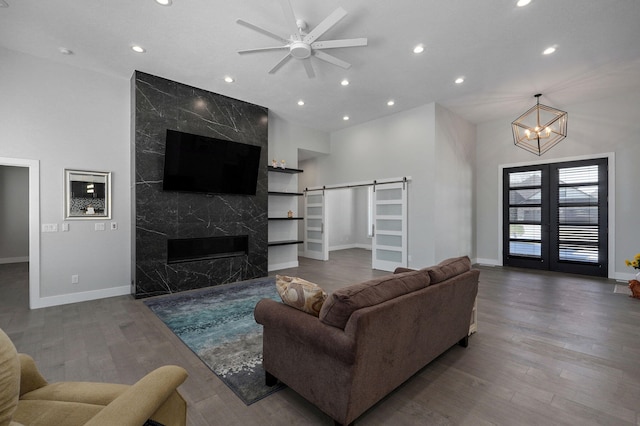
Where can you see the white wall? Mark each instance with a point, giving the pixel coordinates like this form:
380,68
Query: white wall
455,168
14,214
67,117
597,127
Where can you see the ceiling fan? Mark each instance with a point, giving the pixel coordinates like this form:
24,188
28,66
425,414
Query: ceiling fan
302,45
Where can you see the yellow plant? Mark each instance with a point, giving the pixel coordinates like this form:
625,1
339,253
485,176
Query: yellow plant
634,263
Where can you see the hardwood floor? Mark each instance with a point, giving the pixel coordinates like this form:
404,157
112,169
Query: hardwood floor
551,349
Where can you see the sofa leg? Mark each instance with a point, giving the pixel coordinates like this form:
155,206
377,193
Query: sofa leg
270,379
464,342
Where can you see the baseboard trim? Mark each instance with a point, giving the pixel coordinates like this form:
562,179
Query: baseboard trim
85,296
21,259
287,265
488,262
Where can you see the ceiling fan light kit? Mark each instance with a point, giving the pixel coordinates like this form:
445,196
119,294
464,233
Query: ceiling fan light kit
540,128
301,45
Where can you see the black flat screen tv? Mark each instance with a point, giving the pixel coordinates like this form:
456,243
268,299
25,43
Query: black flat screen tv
194,163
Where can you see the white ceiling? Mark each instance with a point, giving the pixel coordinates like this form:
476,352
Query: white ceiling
495,45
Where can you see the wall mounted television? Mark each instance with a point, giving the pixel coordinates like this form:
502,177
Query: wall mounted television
194,163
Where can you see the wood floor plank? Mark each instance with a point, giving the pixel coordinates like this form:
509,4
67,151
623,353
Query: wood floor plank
551,349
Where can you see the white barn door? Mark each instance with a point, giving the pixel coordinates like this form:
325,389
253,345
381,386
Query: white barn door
389,226
316,237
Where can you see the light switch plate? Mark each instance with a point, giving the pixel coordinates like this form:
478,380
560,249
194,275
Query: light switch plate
99,227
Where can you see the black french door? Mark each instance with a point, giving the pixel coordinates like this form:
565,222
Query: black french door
555,217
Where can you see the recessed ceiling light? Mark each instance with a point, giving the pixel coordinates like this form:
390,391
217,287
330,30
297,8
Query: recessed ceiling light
345,118
168,2
459,80
301,102
138,49
65,51
419,48
549,50
391,102
229,79
345,82
4,3
522,3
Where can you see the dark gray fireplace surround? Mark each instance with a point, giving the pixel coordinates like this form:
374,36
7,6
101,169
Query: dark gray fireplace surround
213,239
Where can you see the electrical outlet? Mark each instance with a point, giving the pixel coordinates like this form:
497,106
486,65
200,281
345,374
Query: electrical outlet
49,227
65,227
74,279
114,226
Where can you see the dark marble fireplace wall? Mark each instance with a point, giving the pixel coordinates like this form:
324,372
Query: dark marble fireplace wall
159,104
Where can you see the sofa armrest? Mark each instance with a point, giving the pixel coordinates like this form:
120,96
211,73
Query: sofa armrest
30,377
305,329
138,403
400,270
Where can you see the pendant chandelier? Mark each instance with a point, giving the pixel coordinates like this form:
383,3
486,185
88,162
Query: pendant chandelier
540,128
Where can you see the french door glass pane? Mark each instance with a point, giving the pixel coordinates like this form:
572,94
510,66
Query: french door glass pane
524,196
578,253
525,232
528,178
584,174
522,248
587,194
525,214
578,215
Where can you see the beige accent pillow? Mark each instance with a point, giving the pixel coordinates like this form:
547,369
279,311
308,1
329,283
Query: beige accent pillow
300,294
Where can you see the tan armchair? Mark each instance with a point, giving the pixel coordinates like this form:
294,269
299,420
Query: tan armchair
27,399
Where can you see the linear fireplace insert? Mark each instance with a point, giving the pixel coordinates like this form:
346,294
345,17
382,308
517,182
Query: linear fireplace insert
194,249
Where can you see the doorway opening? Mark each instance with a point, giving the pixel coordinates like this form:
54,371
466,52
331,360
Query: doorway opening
371,215
33,214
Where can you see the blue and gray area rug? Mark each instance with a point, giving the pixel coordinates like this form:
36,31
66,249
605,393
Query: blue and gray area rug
217,324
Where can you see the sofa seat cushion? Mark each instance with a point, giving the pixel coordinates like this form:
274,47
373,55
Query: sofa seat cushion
84,392
338,308
47,413
448,268
301,294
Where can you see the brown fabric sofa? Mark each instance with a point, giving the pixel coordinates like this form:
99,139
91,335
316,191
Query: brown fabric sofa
369,337
27,399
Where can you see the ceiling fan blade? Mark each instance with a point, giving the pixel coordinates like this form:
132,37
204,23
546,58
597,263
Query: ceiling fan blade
280,63
262,31
325,25
290,17
309,68
332,44
331,59
262,49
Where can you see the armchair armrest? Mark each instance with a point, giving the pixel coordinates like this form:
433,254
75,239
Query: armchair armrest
30,377
305,329
142,400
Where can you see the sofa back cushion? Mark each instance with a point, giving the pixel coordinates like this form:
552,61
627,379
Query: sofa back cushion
9,379
343,302
448,268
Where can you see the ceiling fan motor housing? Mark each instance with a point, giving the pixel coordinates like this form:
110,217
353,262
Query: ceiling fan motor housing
300,50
